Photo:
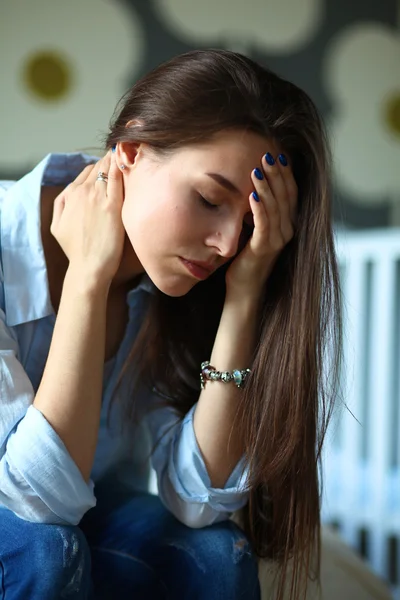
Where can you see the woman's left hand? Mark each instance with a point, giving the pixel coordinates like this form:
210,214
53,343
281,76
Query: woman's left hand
274,216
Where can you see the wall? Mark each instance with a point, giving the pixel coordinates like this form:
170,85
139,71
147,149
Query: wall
65,64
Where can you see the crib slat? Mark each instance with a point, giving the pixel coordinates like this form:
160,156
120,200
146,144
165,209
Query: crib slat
354,286
381,392
361,491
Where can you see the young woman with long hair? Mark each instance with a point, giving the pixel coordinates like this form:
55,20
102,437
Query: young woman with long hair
179,299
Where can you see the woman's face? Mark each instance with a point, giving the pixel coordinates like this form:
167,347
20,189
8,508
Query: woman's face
165,215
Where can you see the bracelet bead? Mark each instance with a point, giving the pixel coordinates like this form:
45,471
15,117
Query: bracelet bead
208,372
226,377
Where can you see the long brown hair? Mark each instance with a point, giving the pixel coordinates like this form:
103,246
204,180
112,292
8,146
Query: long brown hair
289,397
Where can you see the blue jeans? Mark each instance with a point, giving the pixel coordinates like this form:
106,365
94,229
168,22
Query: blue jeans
129,547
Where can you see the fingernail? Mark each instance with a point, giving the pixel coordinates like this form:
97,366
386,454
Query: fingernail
283,160
258,174
113,149
255,196
270,159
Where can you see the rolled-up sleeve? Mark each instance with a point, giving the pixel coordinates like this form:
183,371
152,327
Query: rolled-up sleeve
184,485
39,481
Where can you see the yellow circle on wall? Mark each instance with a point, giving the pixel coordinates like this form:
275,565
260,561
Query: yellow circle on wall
392,113
48,75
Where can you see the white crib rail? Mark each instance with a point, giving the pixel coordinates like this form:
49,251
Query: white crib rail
362,460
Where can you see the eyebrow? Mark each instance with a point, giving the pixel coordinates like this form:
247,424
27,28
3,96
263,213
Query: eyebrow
225,183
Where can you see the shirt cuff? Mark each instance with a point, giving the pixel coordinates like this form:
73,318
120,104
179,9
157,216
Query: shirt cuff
188,473
38,458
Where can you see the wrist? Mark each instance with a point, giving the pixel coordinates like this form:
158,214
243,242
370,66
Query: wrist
210,373
88,284
237,333
242,309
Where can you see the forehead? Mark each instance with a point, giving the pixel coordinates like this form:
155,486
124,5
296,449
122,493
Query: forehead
237,148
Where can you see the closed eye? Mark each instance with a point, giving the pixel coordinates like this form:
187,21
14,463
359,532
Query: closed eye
248,222
207,204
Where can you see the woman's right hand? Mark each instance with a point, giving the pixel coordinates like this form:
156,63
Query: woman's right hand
87,222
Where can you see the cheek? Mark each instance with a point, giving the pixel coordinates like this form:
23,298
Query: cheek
137,208
129,219
179,224
138,230
161,217
156,229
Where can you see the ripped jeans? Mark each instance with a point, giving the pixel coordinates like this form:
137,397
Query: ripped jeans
128,547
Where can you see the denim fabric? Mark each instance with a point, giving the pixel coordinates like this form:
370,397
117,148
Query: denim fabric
128,547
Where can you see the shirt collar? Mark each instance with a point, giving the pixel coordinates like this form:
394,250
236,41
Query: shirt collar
26,288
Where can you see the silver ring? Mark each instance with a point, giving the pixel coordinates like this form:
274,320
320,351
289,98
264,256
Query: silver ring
102,177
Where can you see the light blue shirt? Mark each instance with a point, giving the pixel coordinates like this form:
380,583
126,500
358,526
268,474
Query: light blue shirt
39,481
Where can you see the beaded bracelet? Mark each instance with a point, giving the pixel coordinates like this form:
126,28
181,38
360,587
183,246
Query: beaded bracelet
209,373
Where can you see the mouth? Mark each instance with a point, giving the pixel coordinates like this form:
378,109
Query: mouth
197,270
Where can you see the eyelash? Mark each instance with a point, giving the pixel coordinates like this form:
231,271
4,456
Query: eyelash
207,204
249,228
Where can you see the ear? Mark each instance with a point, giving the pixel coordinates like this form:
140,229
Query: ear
128,153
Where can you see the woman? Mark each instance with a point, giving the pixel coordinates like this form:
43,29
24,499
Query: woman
204,234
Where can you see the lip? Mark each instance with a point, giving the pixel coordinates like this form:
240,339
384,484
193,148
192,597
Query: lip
200,270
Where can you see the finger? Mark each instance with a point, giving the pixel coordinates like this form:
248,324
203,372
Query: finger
291,188
278,188
58,208
272,214
287,225
115,185
102,165
81,177
261,224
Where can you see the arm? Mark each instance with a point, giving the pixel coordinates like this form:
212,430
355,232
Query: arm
215,412
199,464
88,226
274,208
184,485
47,443
69,395
39,481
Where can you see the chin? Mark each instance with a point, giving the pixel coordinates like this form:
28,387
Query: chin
175,286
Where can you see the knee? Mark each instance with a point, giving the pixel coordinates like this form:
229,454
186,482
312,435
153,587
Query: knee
63,556
233,557
228,548
223,555
48,561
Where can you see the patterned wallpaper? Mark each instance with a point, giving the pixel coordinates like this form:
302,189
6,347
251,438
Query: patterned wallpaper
64,65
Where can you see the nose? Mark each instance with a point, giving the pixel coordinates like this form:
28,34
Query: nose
225,237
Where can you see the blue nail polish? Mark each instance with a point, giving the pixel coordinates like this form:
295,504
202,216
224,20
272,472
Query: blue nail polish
283,160
255,196
258,174
270,159
114,148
